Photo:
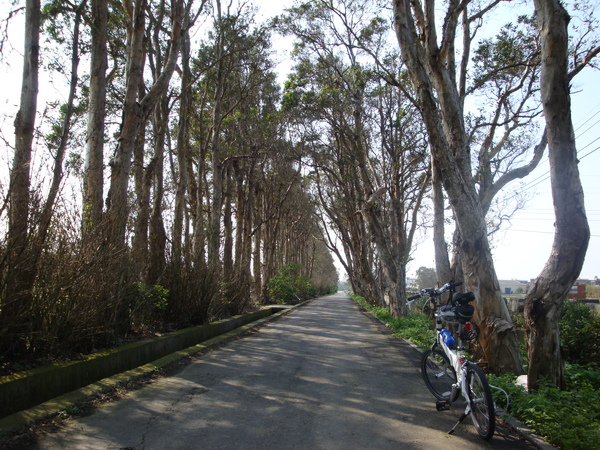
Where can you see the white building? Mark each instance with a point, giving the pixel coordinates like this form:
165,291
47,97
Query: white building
509,287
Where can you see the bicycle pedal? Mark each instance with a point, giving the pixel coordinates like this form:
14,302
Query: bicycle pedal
442,405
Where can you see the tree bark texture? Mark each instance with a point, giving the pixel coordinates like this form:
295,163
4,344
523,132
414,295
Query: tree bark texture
442,259
19,264
182,146
543,305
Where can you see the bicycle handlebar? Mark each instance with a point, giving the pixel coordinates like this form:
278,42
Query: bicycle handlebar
432,292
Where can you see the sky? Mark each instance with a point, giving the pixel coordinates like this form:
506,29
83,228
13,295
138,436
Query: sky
520,249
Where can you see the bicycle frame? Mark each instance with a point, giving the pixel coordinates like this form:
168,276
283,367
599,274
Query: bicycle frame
457,359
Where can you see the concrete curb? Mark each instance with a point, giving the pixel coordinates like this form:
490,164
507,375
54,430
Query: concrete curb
63,403
511,422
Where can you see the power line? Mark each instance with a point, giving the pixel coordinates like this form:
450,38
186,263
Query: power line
541,232
585,119
545,176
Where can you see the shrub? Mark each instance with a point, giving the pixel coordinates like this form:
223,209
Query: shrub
579,334
289,286
194,291
148,303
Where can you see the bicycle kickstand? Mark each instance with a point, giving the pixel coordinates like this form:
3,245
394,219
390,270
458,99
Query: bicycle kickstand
460,419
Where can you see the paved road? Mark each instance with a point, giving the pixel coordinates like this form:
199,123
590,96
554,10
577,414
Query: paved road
322,377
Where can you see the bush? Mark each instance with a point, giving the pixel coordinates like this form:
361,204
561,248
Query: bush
148,304
194,290
289,286
579,334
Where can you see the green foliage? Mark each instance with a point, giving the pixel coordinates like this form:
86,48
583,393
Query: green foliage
426,277
567,419
290,286
579,334
506,56
148,301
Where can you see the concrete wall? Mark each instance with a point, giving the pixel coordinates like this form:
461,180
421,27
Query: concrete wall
23,390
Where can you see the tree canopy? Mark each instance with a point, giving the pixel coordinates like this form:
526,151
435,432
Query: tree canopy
175,180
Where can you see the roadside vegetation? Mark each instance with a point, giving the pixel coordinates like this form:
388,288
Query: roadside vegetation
568,419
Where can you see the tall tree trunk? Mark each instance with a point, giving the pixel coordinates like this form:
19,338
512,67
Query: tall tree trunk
117,208
93,185
157,234
135,113
182,144
257,266
543,304
143,177
442,260
214,228
228,225
20,270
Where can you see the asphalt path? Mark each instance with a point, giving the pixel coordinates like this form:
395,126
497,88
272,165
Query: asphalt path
325,376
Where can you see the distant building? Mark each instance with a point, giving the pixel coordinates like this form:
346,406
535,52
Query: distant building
577,292
509,287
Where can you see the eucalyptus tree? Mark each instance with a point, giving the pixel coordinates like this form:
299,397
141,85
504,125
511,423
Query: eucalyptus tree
136,108
17,278
59,138
149,242
431,66
93,190
230,66
543,304
502,85
61,24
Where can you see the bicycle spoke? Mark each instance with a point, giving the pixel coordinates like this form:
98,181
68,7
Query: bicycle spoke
481,402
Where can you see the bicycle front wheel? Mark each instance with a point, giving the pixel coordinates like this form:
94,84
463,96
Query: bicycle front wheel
439,375
482,403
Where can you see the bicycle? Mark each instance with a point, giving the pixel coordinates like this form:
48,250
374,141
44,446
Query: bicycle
446,370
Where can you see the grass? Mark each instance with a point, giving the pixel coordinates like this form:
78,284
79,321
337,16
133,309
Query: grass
567,419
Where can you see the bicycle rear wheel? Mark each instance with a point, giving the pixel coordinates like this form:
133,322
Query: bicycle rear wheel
439,375
482,403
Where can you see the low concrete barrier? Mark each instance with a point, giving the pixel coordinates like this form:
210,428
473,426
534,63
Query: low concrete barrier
25,389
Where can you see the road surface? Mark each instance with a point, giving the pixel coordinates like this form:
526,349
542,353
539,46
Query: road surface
324,376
